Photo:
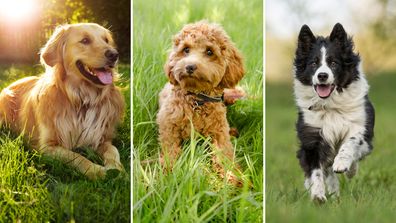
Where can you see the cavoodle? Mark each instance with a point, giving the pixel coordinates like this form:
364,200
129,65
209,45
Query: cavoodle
75,103
202,64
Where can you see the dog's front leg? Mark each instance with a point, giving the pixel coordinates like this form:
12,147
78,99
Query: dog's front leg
88,168
110,156
224,160
171,149
354,149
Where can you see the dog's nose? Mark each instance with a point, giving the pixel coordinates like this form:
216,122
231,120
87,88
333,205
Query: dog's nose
111,55
323,77
191,68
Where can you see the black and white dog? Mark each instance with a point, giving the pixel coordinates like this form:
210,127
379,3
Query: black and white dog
335,117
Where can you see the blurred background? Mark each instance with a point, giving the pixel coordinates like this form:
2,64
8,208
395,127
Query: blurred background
25,25
370,22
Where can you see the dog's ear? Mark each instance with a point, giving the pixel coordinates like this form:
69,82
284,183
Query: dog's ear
51,53
170,62
338,34
168,67
305,38
234,70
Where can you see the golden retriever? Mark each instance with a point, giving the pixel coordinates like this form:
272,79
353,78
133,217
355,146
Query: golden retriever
75,102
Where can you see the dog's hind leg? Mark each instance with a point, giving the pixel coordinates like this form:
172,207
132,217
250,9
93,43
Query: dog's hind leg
353,170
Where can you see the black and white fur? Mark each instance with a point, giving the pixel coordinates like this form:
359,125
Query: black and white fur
335,117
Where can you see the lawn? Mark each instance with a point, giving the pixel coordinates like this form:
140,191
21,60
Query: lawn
368,197
193,192
34,188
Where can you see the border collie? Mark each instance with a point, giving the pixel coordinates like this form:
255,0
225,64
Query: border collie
335,117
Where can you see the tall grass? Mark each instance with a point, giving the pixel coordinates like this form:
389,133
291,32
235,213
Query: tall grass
193,192
34,188
368,197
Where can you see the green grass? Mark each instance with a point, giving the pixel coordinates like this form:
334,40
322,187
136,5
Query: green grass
368,197
34,188
193,192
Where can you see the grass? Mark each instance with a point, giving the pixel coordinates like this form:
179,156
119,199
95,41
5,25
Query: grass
193,192
34,188
368,197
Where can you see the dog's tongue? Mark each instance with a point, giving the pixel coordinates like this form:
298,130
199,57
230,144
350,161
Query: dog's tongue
323,90
106,77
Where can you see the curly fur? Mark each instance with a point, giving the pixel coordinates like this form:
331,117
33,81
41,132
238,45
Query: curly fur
62,109
220,68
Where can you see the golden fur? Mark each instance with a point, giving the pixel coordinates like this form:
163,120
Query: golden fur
216,70
63,109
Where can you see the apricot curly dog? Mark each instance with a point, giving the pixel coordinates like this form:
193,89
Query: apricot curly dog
204,61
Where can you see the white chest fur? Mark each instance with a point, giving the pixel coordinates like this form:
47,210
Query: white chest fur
340,116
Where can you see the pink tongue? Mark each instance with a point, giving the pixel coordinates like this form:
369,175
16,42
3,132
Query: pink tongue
323,90
105,77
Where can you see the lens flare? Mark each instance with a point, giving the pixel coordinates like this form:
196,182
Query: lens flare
18,10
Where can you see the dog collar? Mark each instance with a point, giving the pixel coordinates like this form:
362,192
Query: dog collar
204,98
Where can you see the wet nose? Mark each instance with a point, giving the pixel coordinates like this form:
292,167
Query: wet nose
323,77
111,55
191,68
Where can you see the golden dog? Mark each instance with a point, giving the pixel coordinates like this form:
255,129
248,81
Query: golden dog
75,102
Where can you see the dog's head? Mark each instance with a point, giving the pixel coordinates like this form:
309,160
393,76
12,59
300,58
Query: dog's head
86,51
203,58
326,63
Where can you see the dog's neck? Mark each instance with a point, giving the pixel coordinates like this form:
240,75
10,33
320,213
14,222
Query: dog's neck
79,93
201,97
215,92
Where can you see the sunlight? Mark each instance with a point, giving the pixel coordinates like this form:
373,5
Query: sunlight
18,10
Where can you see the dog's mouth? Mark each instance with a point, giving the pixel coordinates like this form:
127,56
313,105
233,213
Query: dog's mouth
324,90
101,76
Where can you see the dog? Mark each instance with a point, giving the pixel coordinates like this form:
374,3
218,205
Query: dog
335,117
202,64
75,103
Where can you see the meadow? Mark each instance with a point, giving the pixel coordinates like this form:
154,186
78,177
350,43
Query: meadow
34,188
368,197
193,192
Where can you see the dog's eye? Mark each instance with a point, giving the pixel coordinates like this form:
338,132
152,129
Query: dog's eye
333,64
314,64
209,52
186,50
106,40
85,41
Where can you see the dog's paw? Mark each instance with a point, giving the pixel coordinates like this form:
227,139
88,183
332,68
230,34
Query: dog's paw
115,166
342,164
319,198
233,179
318,193
95,172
